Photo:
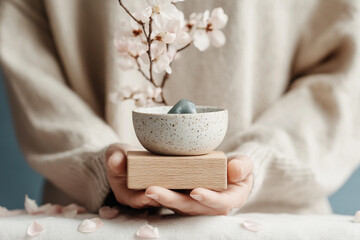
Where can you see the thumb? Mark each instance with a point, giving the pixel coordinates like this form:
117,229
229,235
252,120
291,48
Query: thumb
116,159
117,162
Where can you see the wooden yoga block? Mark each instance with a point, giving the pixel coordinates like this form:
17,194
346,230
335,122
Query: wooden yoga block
145,169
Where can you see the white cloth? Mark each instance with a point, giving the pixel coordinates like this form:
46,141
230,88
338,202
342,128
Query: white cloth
276,226
288,74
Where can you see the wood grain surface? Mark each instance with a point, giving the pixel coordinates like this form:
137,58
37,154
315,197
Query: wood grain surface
177,172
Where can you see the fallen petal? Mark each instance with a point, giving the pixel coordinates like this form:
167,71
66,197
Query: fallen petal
73,206
108,212
71,213
30,205
148,231
357,217
252,225
34,229
53,209
4,212
90,225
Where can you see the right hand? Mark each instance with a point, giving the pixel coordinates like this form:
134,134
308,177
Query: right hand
116,157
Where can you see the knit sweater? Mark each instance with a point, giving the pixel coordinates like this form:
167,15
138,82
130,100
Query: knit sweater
288,75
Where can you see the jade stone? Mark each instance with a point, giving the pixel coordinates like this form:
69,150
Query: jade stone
183,107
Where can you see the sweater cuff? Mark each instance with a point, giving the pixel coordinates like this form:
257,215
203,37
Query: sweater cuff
98,186
260,155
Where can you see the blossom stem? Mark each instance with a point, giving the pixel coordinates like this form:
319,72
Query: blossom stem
129,13
183,48
139,68
149,52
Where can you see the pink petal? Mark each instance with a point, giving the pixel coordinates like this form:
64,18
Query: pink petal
218,18
252,225
108,212
90,225
357,217
73,206
71,213
201,40
54,209
30,205
169,37
148,231
4,212
34,229
217,38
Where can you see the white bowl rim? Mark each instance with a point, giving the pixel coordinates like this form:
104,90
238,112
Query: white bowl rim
216,110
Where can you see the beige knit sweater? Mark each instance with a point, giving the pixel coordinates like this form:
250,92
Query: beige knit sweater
288,74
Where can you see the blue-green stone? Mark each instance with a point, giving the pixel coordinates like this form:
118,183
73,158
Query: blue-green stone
183,107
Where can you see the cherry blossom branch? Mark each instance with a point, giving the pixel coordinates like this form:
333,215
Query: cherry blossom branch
129,13
149,52
166,39
149,41
139,68
183,48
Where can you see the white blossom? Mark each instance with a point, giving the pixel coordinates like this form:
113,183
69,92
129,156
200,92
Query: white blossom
162,56
129,50
163,11
142,94
208,29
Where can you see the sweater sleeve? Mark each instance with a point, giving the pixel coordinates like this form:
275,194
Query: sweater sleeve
60,135
306,145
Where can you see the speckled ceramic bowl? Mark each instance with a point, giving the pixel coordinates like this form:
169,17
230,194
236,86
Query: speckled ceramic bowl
180,134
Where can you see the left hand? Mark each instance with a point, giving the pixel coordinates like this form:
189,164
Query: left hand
202,201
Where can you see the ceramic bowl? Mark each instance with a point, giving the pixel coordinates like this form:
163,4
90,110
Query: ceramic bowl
180,134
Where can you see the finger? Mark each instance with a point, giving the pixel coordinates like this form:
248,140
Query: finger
116,157
129,197
180,203
117,163
239,168
234,197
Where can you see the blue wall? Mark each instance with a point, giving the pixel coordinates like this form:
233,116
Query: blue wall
17,178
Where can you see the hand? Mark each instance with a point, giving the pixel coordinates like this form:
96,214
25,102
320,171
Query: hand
202,201
116,174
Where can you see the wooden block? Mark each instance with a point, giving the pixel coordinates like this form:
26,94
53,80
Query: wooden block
145,169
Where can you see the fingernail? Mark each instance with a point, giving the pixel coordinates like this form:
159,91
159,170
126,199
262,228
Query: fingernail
152,196
196,197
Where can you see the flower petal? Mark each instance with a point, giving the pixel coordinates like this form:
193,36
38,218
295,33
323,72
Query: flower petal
169,37
252,225
73,206
217,38
218,18
34,229
148,231
201,40
108,212
4,212
71,213
357,217
30,205
90,225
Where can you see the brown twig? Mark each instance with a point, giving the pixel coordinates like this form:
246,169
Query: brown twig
129,13
149,52
183,48
139,68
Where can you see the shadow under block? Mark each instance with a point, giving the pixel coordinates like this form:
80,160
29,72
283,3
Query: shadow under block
145,169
